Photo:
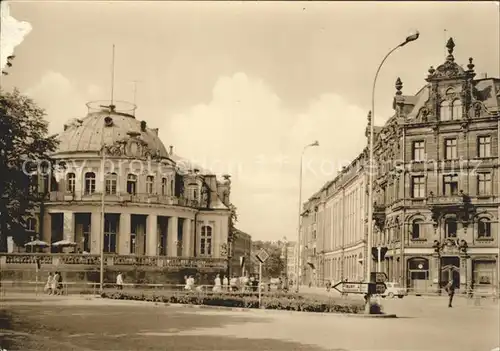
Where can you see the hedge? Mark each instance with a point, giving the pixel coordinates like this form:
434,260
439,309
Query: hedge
273,302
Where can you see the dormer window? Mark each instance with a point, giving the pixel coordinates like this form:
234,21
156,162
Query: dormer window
444,111
456,109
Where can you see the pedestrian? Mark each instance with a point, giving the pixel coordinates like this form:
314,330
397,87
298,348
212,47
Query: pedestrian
234,283
217,284
450,289
54,284
119,281
48,285
328,285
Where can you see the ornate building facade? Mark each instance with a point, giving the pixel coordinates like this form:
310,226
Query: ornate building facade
436,188
116,188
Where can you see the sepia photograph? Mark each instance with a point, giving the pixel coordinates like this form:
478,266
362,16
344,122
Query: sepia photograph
249,175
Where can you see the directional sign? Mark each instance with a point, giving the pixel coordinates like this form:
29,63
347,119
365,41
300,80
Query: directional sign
378,277
262,255
376,288
351,288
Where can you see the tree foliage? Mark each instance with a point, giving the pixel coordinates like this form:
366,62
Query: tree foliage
275,264
24,143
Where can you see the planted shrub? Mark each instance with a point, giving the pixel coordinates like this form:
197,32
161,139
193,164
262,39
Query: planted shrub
278,301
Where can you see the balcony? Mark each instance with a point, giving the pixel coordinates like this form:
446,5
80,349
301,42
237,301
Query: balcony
60,196
18,260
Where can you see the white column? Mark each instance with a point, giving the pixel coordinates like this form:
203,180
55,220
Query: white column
95,233
187,241
69,226
172,237
124,234
152,235
47,228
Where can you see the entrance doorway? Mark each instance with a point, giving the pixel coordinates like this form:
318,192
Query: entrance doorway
450,269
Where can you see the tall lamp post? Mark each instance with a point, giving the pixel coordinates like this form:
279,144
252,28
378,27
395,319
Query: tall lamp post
297,267
408,39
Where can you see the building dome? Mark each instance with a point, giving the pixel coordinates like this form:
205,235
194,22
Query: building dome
116,127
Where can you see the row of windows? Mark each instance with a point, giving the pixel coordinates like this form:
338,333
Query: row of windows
483,228
167,188
451,148
450,185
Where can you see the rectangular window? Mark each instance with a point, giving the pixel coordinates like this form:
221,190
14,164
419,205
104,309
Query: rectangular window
484,146
451,152
483,228
150,181
111,182
418,186
418,150
450,184
484,183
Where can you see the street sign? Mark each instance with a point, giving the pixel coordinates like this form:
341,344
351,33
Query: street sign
351,288
378,277
262,255
377,288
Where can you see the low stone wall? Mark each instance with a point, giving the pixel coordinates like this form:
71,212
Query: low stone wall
133,275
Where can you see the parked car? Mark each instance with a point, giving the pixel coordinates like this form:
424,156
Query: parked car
394,289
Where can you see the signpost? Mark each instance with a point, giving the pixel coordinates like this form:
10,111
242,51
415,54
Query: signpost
375,287
352,288
262,256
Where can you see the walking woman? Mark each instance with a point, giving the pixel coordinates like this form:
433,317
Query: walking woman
48,285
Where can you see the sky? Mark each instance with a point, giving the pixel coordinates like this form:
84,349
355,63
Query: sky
242,87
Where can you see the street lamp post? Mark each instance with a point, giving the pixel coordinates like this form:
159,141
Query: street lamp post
284,257
408,39
315,143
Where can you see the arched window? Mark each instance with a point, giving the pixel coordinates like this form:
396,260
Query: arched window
150,181
132,184
71,182
89,183
164,186
444,111
111,183
31,224
451,228
456,109
483,228
206,241
172,187
416,229
195,194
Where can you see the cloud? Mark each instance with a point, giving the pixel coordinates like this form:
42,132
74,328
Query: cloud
246,130
12,33
61,99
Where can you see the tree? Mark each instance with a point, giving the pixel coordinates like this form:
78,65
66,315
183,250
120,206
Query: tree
274,265
24,143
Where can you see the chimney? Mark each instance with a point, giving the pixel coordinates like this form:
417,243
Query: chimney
155,130
171,151
143,126
484,75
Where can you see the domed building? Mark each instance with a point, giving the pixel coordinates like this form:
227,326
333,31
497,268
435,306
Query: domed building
117,188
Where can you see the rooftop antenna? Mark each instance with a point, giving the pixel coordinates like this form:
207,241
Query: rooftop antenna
135,94
111,106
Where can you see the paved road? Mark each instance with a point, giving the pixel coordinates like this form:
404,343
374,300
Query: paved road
78,323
